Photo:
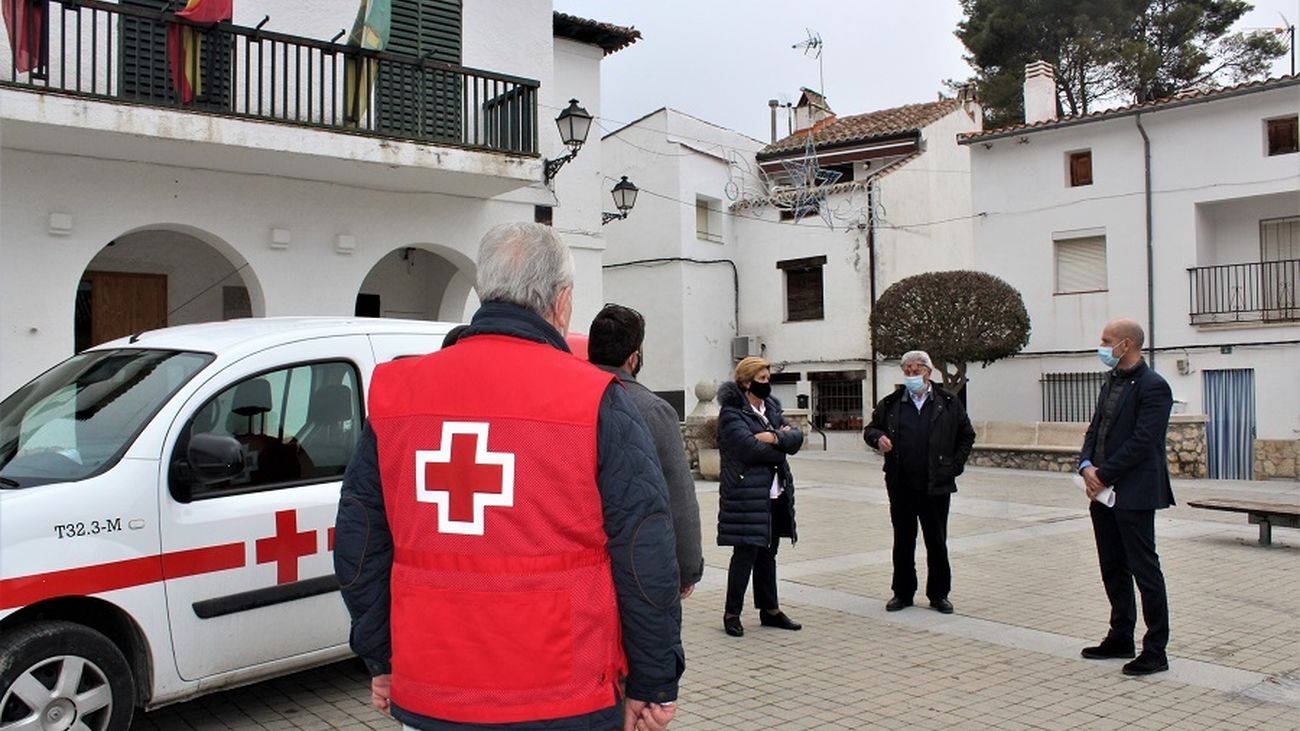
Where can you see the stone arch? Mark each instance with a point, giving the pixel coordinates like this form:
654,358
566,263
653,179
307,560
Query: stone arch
419,281
159,275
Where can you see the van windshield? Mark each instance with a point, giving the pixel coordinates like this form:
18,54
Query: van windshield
78,418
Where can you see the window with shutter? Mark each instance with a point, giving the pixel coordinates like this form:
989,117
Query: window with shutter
1081,265
415,102
1283,135
1080,168
144,74
708,219
804,294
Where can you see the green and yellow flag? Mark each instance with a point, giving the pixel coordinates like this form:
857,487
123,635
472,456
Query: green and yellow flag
369,31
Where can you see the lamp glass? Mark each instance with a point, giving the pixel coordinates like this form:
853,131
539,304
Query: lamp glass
574,124
624,193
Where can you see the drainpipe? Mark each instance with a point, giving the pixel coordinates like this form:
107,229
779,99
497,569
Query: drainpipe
1151,286
871,276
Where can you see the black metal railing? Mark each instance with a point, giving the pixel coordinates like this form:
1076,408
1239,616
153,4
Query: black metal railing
128,54
1255,292
1071,396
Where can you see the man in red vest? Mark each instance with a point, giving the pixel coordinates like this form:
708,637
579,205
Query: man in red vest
503,540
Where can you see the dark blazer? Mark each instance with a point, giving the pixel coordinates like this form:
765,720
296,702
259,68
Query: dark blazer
951,437
748,467
1136,464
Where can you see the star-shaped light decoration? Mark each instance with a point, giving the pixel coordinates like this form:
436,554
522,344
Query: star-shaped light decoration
809,181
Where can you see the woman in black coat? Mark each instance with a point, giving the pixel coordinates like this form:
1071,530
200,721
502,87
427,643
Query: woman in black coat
756,501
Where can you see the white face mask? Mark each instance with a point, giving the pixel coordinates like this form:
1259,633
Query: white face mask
914,384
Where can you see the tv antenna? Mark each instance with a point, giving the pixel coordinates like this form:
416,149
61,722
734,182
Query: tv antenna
812,46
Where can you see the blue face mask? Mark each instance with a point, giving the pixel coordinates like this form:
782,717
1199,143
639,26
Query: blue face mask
915,384
1108,357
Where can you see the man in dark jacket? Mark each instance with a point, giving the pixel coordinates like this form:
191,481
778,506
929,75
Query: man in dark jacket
1124,448
490,573
926,438
614,345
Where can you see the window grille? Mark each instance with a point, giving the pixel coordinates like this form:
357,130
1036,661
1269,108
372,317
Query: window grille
1071,396
837,405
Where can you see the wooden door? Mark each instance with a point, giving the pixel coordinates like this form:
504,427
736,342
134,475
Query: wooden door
123,303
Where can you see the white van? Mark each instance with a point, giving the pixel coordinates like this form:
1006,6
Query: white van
167,505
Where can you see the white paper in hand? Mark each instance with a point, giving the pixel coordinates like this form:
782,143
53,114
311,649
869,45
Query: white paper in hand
1105,497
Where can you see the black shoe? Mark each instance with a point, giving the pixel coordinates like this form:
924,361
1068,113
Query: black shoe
733,626
1109,649
897,602
943,606
778,620
1146,663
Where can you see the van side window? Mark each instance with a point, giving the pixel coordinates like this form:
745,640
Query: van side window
295,425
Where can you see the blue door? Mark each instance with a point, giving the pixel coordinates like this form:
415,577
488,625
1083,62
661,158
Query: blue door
1230,433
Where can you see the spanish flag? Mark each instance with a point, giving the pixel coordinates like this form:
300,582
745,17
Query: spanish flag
185,44
369,31
25,20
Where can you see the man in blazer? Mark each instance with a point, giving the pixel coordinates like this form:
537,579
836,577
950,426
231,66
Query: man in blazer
1124,448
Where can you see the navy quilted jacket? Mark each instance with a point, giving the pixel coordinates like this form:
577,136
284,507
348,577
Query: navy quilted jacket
748,467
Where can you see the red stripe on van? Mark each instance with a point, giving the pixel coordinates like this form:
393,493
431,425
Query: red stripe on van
24,590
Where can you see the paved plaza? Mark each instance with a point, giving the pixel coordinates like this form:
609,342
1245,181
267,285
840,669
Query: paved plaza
1028,596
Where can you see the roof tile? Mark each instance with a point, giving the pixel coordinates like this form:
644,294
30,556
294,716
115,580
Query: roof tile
1206,94
864,127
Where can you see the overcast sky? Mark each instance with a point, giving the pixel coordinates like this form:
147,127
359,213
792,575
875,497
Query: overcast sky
722,60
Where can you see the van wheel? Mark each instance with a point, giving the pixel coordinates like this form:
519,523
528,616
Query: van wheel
58,676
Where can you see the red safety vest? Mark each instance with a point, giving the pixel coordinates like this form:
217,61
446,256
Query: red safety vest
503,603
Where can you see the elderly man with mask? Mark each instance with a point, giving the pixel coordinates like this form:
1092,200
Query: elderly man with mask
926,437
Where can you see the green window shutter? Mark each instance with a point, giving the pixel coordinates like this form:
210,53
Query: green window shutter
422,103
145,73
143,56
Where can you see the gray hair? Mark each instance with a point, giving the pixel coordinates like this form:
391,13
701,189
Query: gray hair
917,356
524,264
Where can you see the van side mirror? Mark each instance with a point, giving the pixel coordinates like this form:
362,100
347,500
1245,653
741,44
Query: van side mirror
214,457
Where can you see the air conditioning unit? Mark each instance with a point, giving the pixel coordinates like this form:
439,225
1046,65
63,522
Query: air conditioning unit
743,346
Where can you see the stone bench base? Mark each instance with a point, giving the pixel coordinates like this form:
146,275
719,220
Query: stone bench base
1051,459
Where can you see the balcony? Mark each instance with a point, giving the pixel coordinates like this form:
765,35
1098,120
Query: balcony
1257,292
290,105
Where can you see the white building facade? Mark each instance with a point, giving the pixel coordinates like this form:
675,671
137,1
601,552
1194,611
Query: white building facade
1206,188
675,257
802,256
124,206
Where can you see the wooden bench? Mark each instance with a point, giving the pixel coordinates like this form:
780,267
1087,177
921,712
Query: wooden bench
1266,515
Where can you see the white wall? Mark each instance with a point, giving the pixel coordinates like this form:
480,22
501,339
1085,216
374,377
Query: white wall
689,307
926,207
1211,184
232,213
580,189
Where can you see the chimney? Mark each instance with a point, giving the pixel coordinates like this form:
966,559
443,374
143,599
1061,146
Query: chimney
968,97
811,109
772,104
1040,92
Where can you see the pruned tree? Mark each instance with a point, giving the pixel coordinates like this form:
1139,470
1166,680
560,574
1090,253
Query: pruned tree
958,317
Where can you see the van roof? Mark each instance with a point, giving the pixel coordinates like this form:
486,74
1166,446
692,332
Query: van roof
255,332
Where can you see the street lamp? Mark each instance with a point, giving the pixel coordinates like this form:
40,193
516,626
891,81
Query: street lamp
574,123
624,193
